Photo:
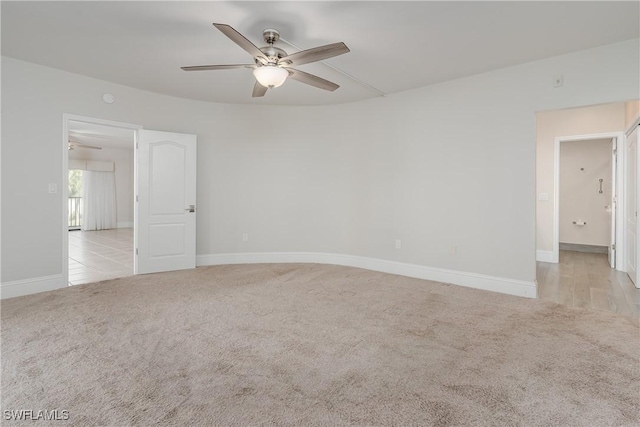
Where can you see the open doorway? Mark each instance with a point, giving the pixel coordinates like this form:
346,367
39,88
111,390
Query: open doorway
586,192
587,267
162,235
99,223
582,208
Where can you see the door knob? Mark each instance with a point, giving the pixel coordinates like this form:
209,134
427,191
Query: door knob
191,208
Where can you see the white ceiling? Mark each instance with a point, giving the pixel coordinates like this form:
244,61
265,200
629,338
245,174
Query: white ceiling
100,135
395,46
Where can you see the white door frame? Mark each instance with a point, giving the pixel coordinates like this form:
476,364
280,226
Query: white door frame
66,118
619,191
628,132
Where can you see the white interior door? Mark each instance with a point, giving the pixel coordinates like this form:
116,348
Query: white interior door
613,202
165,228
632,205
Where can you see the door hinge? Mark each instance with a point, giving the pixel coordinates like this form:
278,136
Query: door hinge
137,198
136,251
137,145
613,247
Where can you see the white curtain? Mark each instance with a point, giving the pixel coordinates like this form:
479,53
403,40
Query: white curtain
98,200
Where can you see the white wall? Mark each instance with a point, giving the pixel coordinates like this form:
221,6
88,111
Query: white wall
631,113
582,165
123,163
447,164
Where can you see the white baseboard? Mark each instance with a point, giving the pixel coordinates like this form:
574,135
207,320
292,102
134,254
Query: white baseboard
472,280
34,285
124,224
544,256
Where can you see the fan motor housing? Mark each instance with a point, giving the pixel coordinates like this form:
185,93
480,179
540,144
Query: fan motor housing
273,52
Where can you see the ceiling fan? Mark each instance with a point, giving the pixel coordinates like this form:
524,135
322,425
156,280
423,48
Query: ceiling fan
273,65
74,144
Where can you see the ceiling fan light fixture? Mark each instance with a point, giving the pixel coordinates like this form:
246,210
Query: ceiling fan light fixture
271,64
270,76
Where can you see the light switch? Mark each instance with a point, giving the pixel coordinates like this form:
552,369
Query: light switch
53,188
543,197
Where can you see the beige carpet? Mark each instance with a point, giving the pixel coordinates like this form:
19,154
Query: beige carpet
313,345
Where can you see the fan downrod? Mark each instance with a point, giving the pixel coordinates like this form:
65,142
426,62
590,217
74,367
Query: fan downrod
271,35
272,52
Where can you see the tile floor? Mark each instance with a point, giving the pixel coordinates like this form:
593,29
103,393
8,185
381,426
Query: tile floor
100,255
586,280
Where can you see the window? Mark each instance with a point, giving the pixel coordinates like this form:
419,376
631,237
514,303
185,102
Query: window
75,199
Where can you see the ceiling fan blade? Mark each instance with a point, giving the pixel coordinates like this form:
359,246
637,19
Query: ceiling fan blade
258,90
312,80
241,41
73,147
73,144
316,54
217,67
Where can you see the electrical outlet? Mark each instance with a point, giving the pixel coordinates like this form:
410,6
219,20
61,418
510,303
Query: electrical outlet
453,249
245,237
53,188
398,244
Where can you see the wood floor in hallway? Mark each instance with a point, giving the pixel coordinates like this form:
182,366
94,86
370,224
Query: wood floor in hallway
586,280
